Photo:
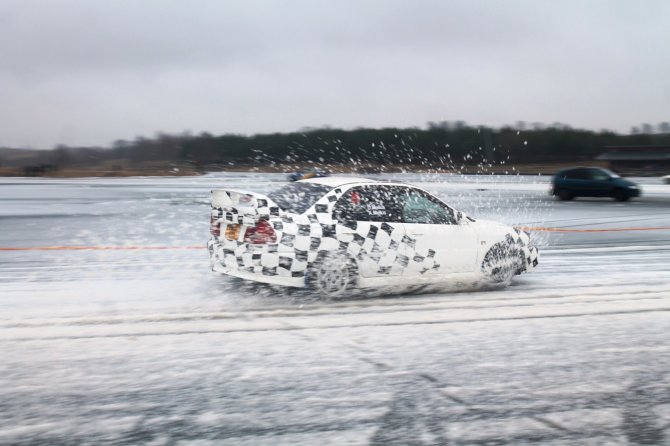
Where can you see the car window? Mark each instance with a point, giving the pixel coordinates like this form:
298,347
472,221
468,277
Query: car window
298,197
422,208
577,174
598,175
369,203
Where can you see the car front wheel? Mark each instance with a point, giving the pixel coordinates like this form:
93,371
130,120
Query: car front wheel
501,263
332,275
620,195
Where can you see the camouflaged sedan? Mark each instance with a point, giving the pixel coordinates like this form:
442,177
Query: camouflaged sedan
334,234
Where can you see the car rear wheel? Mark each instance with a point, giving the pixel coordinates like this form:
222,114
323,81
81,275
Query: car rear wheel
501,263
565,195
332,275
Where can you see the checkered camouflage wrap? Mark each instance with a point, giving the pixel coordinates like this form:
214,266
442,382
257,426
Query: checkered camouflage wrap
381,247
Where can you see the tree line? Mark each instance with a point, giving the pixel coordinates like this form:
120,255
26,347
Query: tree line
442,143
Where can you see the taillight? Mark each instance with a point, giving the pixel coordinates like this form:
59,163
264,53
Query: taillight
214,226
260,234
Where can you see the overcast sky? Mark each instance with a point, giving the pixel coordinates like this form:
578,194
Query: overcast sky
82,72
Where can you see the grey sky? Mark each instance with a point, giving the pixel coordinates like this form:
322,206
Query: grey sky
83,72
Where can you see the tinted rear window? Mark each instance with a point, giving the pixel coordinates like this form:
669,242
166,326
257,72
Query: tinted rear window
298,197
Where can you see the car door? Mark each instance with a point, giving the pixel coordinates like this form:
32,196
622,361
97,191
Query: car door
368,225
440,243
589,183
600,183
576,181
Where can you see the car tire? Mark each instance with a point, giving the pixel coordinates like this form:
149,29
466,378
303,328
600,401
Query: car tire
332,275
620,195
502,263
565,195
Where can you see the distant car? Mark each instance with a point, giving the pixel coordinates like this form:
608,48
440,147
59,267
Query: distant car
592,182
307,174
333,234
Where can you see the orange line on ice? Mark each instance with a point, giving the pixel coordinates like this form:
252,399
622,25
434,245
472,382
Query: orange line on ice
526,228
167,248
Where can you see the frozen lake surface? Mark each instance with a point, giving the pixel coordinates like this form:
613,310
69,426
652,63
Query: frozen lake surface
150,347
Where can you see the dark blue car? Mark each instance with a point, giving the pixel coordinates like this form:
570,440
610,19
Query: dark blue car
308,173
592,182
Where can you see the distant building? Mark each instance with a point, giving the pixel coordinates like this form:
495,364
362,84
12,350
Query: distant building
640,160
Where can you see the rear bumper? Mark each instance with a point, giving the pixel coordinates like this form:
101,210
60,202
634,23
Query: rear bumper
258,263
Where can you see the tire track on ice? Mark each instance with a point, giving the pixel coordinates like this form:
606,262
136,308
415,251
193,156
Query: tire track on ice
332,321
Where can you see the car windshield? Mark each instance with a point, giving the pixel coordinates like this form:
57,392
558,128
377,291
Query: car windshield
298,197
611,174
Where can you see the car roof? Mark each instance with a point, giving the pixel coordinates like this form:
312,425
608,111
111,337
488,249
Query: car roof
338,180
573,169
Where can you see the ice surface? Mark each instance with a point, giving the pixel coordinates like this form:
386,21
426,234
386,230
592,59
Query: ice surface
150,347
